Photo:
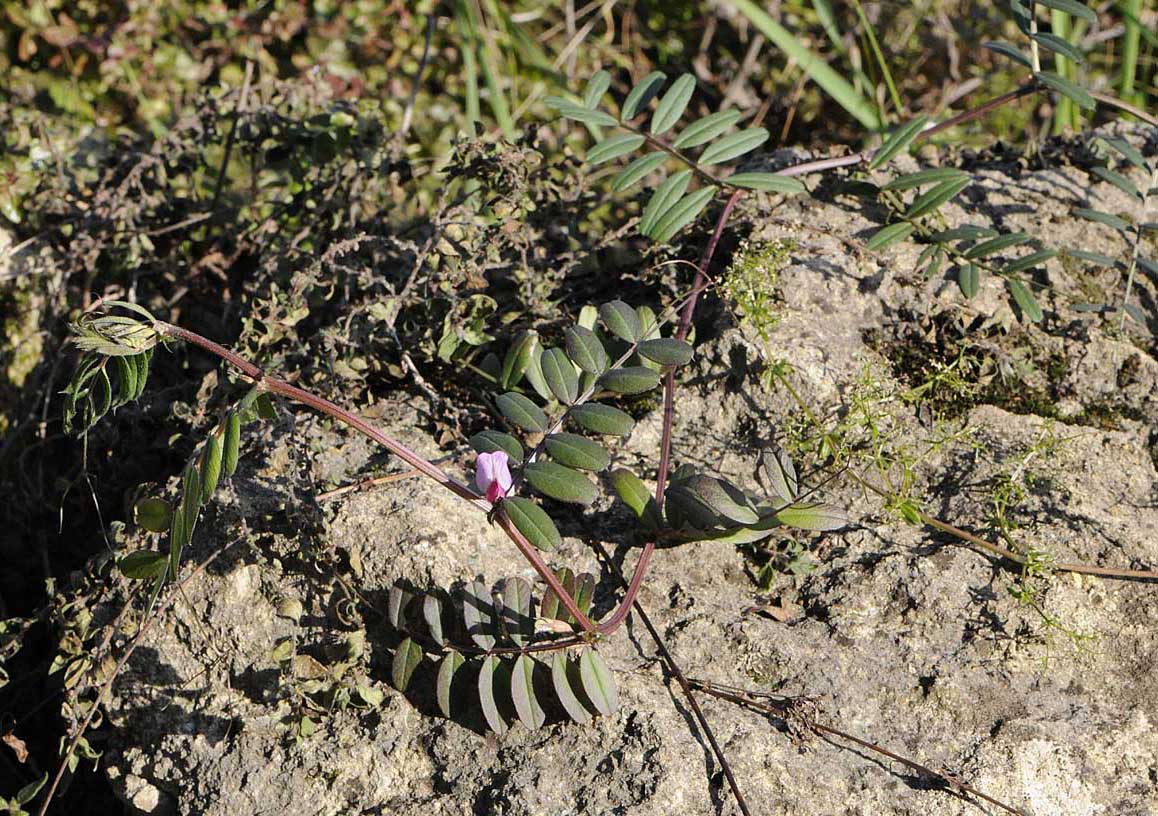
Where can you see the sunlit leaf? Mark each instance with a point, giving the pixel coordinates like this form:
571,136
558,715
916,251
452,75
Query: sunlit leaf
1025,300
812,516
432,617
232,443
478,612
143,564
515,612
886,236
637,170
527,707
995,245
561,483
1011,51
1118,180
704,130
665,197
768,182
533,522
632,491
152,514
565,678
596,87
929,201
935,175
672,105
621,320
407,658
1052,42
491,441
630,380
560,375
586,350
494,684
518,358
641,94
667,351
521,412
680,214
1073,92
733,146
448,667
598,682
897,141
781,473
577,452
602,419
1029,261
969,279
613,148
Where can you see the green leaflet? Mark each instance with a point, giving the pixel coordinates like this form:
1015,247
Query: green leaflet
641,94
897,141
637,170
586,350
1066,88
768,182
598,682
521,412
630,380
665,197
613,148
733,146
491,441
448,667
931,200
527,707
621,320
560,376
577,452
671,107
518,357
680,214
602,419
143,564
886,236
667,351
565,678
596,87
704,130
968,279
494,684
561,483
632,491
1025,300
995,245
812,516
533,522
407,658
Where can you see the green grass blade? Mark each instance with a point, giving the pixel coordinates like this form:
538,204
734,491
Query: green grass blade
857,105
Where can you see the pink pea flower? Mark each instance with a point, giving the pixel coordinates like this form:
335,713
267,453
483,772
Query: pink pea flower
492,476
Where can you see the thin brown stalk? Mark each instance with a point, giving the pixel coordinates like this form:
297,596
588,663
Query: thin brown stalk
681,679
170,599
786,709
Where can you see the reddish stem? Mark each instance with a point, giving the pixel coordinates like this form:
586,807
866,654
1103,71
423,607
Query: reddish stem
325,406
